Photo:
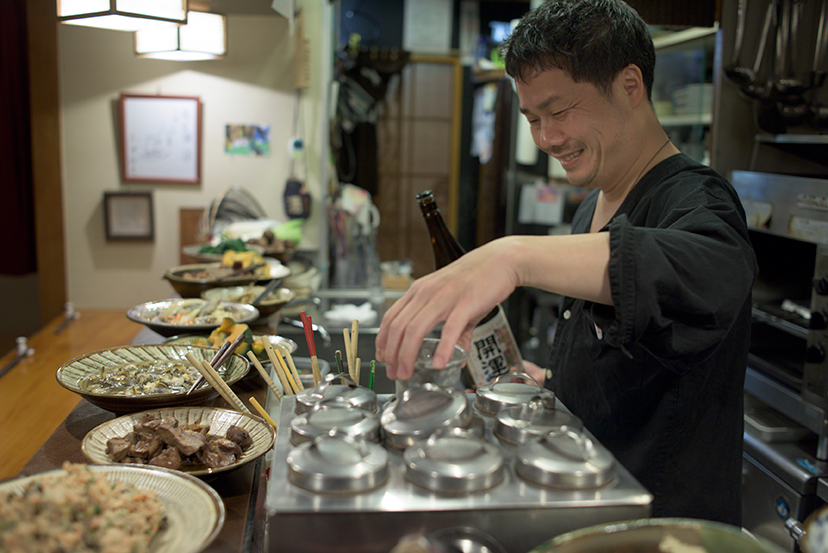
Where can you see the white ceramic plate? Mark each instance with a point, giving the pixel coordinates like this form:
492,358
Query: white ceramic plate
147,313
195,512
218,420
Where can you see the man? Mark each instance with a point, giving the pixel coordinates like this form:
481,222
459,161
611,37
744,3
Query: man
651,345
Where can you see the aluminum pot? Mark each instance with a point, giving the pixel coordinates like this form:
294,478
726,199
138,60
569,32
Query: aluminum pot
655,535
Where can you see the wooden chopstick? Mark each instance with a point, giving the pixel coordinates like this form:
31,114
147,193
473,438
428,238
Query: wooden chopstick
221,356
348,356
265,376
300,387
217,382
263,413
286,389
354,344
307,323
288,374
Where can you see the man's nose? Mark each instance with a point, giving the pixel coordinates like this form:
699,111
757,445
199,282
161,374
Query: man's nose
549,136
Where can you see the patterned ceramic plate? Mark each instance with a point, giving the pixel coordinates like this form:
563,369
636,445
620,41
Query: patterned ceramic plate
75,374
218,420
194,511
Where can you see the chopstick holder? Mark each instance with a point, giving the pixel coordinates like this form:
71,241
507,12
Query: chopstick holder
276,361
263,413
265,376
217,382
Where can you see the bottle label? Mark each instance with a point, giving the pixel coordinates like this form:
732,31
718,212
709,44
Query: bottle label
494,350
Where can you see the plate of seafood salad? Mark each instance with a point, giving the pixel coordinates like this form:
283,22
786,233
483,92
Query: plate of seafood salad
127,379
108,509
138,378
190,315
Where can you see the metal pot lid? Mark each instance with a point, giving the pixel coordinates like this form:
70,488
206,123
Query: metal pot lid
421,411
334,414
453,460
503,392
565,458
350,391
335,462
521,423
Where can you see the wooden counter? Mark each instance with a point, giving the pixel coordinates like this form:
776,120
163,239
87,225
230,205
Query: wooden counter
46,423
32,403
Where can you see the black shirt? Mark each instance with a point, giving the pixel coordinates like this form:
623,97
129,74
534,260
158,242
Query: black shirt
659,377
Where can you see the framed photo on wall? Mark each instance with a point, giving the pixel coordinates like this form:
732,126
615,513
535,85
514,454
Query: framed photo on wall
160,138
129,216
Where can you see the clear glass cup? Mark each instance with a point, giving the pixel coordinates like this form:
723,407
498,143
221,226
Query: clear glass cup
448,377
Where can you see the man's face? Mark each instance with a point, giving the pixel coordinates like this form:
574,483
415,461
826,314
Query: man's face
578,125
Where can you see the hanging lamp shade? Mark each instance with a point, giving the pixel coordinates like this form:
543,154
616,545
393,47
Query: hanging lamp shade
123,15
204,37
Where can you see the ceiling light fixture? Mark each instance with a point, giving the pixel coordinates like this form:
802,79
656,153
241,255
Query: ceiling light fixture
123,15
204,37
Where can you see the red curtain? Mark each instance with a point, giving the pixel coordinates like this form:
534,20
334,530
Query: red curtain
17,221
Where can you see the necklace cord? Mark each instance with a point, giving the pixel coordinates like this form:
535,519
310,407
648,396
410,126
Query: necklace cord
638,178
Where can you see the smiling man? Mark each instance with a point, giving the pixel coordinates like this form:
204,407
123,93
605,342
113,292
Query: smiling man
651,345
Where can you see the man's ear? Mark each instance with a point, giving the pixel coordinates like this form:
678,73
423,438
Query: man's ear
632,84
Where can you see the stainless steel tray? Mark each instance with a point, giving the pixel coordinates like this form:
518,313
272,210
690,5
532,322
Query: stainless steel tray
517,513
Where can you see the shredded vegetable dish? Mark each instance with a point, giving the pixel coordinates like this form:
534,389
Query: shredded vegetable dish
78,512
191,312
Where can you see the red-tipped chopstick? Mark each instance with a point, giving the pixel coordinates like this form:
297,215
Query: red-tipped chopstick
307,322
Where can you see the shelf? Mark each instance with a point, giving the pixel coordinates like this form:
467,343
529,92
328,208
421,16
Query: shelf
685,38
811,147
686,120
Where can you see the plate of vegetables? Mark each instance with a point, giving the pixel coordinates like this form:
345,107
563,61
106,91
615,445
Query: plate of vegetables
190,315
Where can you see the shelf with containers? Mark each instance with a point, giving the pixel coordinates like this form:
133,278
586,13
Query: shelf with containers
683,87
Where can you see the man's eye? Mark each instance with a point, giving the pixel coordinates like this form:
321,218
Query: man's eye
560,114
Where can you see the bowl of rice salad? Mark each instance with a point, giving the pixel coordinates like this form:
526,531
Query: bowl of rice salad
109,509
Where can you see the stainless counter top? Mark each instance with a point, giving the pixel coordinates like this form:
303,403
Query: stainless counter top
519,514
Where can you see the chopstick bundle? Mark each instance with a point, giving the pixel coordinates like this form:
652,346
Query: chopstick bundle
354,350
307,323
222,355
293,381
217,382
265,376
277,366
293,370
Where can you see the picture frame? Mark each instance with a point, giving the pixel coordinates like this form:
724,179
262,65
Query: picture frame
160,138
129,216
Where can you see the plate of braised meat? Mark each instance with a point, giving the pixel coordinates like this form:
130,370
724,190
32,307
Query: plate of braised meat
199,441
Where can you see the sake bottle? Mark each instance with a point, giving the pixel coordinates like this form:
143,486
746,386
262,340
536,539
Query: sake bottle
494,350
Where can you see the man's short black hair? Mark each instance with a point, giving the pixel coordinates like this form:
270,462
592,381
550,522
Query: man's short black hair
591,40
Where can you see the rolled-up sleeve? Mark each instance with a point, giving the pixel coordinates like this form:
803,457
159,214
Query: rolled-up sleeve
677,288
